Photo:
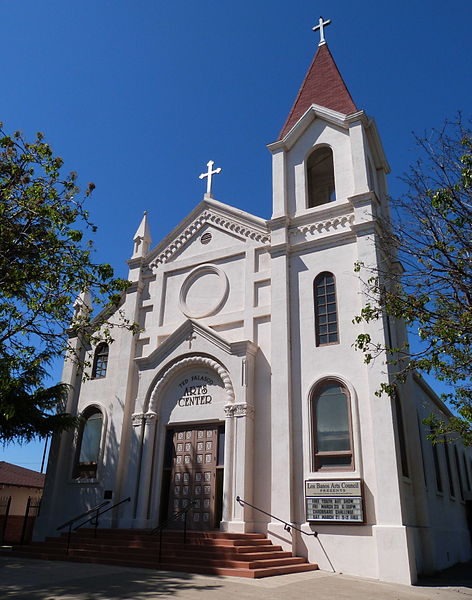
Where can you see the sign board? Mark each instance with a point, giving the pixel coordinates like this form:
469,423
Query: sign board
334,501
194,395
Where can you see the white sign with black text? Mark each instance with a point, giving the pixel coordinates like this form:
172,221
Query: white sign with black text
338,501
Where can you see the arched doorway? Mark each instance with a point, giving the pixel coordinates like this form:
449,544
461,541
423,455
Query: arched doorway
192,402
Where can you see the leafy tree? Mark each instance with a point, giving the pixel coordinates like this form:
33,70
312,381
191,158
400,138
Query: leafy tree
426,275
44,266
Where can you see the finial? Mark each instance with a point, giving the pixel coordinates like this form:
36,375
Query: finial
321,25
83,304
142,238
209,175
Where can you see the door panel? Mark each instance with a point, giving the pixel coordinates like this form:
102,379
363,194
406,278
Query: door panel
193,474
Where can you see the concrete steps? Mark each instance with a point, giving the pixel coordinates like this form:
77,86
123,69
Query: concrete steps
243,555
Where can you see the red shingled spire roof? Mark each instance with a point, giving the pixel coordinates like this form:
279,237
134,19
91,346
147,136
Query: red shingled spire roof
323,85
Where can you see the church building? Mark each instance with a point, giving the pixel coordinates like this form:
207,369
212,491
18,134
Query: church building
242,399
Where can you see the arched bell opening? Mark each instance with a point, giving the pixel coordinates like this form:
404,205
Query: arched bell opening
320,177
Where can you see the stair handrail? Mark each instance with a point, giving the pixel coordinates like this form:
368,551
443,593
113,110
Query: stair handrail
100,513
96,510
84,514
287,526
160,528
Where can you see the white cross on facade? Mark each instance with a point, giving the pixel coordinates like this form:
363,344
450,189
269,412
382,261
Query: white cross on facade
209,175
321,25
190,339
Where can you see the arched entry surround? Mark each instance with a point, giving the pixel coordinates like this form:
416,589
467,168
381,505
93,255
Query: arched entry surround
185,363
238,419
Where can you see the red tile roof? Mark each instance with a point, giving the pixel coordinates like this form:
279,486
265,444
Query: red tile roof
14,475
323,85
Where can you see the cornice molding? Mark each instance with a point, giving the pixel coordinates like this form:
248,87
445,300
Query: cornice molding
233,224
333,225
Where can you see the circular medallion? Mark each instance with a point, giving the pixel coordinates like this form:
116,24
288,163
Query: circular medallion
203,292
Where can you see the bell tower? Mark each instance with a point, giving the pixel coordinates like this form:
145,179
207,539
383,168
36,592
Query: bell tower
328,150
329,189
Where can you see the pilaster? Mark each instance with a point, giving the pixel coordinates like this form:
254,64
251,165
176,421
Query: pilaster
238,482
358,156
280,414
148,424
394,546
279,183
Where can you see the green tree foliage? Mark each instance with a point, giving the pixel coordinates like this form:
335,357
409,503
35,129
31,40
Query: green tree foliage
44,266
426,277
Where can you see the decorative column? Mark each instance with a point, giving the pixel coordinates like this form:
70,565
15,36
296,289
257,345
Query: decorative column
239,472
149,424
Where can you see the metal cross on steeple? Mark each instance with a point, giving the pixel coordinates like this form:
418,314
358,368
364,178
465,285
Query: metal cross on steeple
209,175
321,25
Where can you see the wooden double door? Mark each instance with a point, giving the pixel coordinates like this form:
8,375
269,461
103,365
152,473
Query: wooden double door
193,471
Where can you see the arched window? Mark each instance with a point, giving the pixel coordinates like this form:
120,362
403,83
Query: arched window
331,421
326,316
88,448
320,175
100,361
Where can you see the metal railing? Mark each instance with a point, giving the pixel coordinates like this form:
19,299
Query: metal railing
287,526
175,517
5,503
32,511
95,512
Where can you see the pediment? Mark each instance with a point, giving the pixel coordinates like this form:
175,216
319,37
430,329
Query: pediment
191,337
315,111
224,221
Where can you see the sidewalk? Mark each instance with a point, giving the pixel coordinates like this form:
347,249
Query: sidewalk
27,579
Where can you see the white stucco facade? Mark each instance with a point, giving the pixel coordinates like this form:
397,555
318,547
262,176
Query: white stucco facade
228,338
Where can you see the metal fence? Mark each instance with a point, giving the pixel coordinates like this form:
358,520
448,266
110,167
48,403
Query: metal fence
17,529
5,502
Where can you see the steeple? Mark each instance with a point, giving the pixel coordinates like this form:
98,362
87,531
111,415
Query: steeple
324,86
142,239
328,152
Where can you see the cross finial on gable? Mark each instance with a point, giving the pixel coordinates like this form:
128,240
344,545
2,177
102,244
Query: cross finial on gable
209,175
191,336
321,25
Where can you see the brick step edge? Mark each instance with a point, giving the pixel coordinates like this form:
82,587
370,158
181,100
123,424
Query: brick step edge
204,536
212,542
242,559
140,554
187,564
56,543
186,568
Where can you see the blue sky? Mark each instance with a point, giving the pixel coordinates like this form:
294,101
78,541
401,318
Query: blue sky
137,95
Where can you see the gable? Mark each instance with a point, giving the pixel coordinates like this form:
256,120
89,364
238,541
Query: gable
230,226
207,239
